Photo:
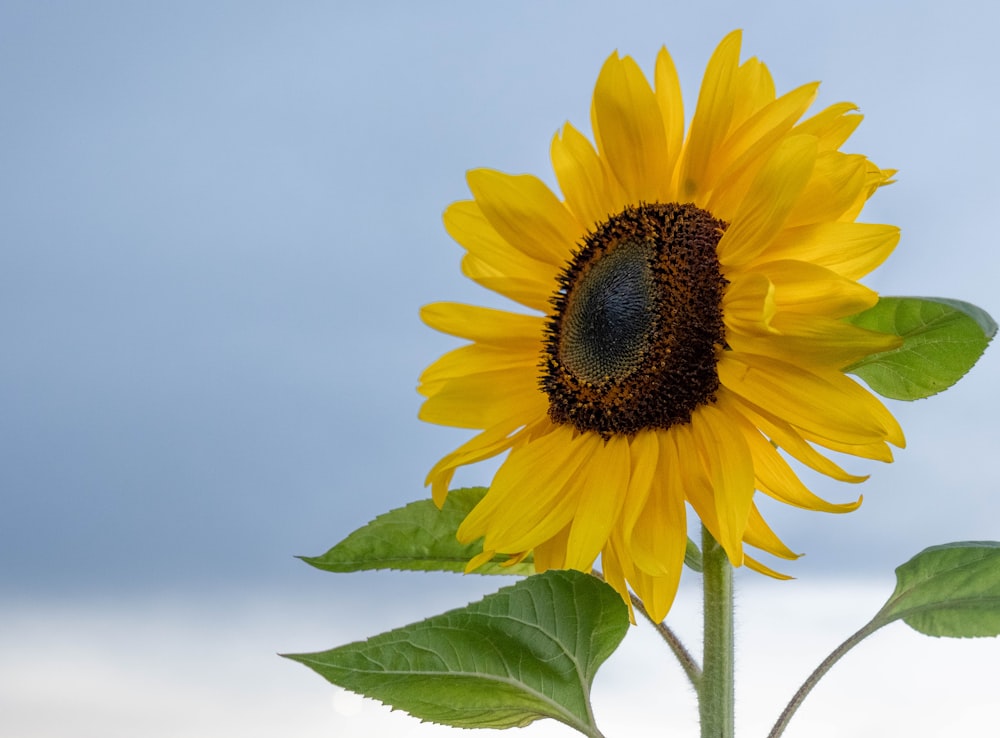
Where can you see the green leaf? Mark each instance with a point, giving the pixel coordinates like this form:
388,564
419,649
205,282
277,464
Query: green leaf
942,340
950,590
416,537
692,556
526,652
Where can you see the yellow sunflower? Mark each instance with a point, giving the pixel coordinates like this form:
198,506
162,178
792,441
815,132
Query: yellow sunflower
687,296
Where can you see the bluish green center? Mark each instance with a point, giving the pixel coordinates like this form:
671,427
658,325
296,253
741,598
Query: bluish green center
608,322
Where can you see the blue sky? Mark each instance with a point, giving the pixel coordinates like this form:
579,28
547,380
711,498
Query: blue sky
218,221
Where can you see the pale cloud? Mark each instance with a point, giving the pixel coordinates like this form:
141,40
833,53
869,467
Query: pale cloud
174,668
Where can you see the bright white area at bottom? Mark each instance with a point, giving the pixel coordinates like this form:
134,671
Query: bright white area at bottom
170,668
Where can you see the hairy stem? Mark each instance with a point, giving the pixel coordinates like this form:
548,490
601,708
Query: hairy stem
716,702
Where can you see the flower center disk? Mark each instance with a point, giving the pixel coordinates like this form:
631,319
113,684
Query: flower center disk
633,340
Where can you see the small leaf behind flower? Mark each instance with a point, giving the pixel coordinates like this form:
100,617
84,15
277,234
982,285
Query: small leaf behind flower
526,652
416,537
942,340
692,556
949,590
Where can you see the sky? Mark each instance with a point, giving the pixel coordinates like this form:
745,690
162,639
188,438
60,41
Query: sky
218,222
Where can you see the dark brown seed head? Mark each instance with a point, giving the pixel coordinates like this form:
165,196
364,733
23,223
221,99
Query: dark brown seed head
636,327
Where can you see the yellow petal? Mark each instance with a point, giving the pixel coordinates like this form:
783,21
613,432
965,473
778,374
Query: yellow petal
526,214
528,292
695,481
832,126
783,435
837,183
754,90
774,477
875,451
758,567
534,493
485,445
604,485
551,553
648,470
657,592
748,304
729,465
759,535
774,194
812,341
629,130
748,146
657,538
466,223
615,573
475,358
873,179
712,117
826,404
849,249
484,399
590,191
809,289
494,263
486,325
478,560
671,101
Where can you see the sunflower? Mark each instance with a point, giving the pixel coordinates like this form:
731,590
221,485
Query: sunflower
686,333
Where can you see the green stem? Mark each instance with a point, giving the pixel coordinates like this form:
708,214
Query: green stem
819,673
716,701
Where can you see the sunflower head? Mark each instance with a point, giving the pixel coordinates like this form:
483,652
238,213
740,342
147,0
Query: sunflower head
685,331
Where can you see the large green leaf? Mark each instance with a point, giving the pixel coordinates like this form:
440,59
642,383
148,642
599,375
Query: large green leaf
942,339
526,652
418,537
949,590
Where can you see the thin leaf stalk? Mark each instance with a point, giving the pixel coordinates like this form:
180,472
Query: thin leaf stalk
684,657
799,697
